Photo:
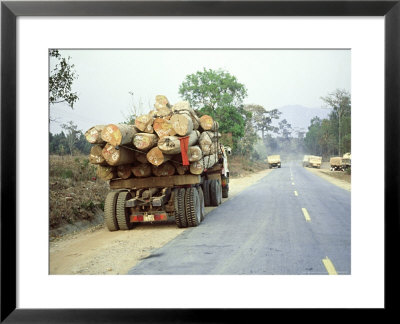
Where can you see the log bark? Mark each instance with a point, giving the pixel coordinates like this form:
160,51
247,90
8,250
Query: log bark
141,157
124,171
165,169
106,172
182,124
161,101
163,127
171,144
118,155
142,170
181,169
118,134
96,155
208,142
207,123
205,163
142,122
156,157
145,141
93,134
195,153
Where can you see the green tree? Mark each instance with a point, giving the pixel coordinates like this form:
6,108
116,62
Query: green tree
312,137
340,103
220,95
61,79
285,129
262,118
72,136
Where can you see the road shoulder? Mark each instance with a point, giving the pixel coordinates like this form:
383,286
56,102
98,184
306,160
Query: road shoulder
325,174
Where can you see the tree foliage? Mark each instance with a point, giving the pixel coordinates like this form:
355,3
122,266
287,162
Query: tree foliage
61,79
262,118
331,136
219,94
69,141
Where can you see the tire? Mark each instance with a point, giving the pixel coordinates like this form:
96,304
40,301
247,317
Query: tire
206,192
215,193
109,211
192,206
179,204
225,191
202,207
122,214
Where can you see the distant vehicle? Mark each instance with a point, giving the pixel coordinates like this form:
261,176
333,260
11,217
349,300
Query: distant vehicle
346,161
314,161
305,160
336,163
274,161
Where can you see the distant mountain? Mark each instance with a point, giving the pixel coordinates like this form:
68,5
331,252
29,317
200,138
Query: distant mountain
300,116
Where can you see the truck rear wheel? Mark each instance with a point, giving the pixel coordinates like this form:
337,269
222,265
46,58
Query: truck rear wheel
109,211
215,192
202,208
122,214
192,206
206,192
179,204
225,191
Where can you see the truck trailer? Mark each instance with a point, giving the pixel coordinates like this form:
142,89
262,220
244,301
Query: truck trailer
179,198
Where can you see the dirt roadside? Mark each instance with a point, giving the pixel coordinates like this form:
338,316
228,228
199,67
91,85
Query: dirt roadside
97,251
338,178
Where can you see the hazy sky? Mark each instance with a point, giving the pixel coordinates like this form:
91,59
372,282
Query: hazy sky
273,78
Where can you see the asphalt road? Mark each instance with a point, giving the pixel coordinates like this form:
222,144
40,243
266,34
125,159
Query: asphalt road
291,222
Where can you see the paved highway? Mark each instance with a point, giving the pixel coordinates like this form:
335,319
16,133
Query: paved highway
291,222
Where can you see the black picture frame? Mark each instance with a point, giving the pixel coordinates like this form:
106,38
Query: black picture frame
10,10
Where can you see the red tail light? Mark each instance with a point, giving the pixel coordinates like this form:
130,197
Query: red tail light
160,217
137,218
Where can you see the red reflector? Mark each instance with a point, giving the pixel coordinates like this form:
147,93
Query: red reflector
160,217
137,218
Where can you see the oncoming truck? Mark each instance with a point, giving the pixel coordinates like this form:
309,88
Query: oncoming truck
312,161
336,163
179,198
274,161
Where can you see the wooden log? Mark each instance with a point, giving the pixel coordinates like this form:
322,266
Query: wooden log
141,157
163,127
161,101
207,123
118,134
106,172
124,171
149,129
208,142
171,144
93,134
181,169
145,141
163,112
156,157
143,121
141,170
96,155
118,155
182,124
205,163
195,153
184,107
149,193
165,169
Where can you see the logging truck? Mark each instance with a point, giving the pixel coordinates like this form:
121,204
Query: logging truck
314,161
274,161
180,198
336,163
346,161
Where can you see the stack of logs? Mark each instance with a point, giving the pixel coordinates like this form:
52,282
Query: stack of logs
152,146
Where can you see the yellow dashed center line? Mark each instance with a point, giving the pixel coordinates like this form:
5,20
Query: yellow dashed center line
306,215
292,183
295,193
329,266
